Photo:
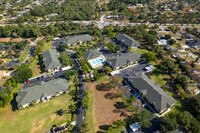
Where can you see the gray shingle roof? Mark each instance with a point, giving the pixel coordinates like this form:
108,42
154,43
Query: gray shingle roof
128,41
39,91
51,59
196,42
90,54
159,98
77,38
123,59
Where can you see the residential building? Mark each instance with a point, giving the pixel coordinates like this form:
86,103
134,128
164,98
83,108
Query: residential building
162,42
134,127
2,52
51,60
127,41
72,40
2,73
153,92
42,92
195,43
2,40
95,58
123,60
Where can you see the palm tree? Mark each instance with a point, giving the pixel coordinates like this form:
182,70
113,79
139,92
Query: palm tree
75,80
85,94
84,127
72,108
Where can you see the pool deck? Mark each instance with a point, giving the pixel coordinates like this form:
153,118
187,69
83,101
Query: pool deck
97,64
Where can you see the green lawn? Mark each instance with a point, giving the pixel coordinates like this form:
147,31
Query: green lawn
23,55
141,51
35,67
89,114
34,119
159,79
47,46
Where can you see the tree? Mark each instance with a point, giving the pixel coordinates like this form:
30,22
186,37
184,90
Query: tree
193,106
72,108
149,56
168,123
153,32
66,60
111,48
23,74
184,118
118,48
110,130
151,39
107,69
84,127
119,123
171,41
168,36
96,74
168,66
129,49
63,47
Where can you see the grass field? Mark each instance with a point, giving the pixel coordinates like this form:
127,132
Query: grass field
35,119
141,51
23,55
35,67
47,46
89,114
102,114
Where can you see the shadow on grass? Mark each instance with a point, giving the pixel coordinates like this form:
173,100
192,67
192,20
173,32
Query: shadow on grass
104,127
13,102
60,112
119,105
110,96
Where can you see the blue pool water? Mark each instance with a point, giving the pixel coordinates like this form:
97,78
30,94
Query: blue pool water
97,61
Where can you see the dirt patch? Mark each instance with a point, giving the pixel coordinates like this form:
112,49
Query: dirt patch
104,108
37,126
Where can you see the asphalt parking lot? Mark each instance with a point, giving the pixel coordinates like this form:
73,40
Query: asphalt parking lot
134,70
45,78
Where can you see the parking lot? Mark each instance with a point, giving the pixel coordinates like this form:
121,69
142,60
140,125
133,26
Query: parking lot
45,78
133,70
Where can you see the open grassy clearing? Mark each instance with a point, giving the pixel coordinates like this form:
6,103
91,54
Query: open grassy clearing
35,67
34,119
3,80
23,55
104,110
47,46
141,51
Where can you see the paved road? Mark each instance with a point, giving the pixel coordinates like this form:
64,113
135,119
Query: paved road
79,111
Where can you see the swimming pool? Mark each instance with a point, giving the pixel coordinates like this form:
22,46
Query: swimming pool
97,61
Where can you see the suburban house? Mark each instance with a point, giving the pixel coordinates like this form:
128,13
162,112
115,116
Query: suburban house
153,92
195,43
42,92
51,60
72,40
95,58
162,42
127,41
123,60
2,52
2,73
3,40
